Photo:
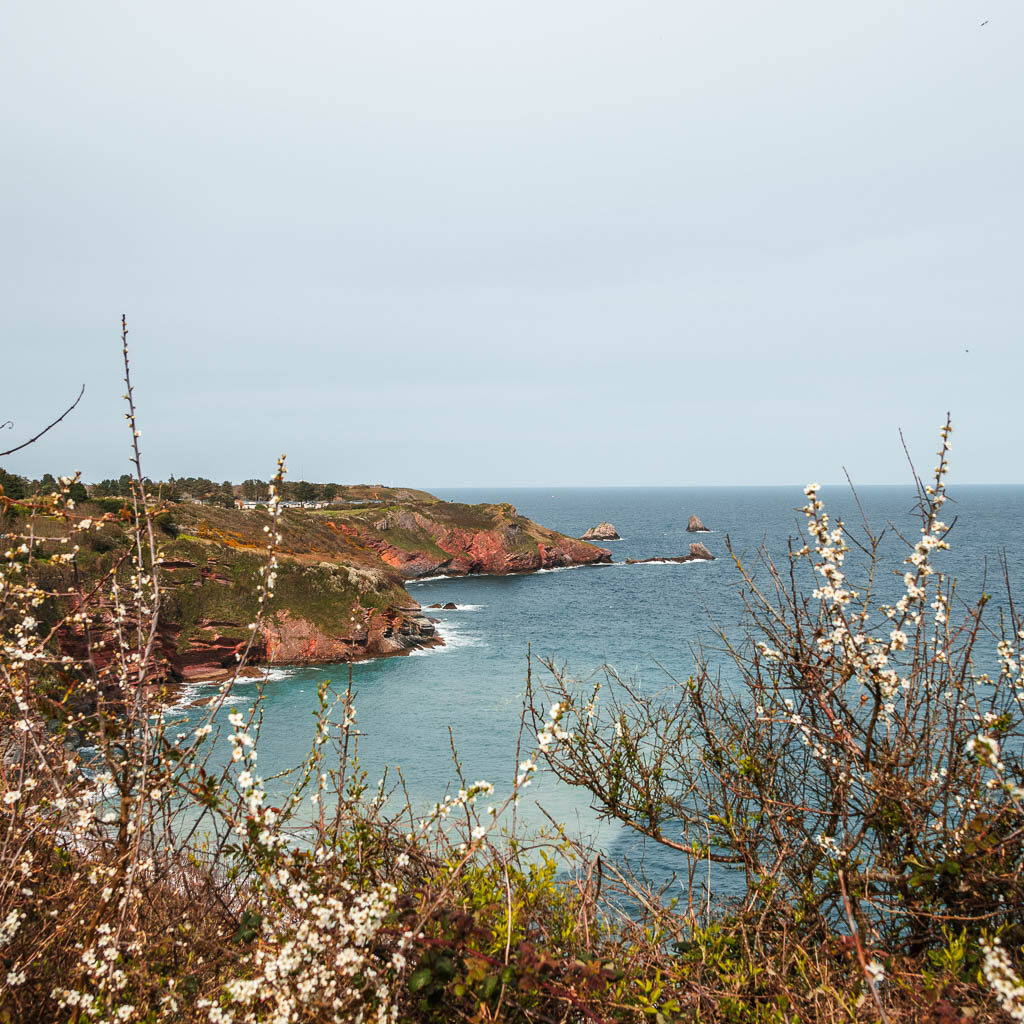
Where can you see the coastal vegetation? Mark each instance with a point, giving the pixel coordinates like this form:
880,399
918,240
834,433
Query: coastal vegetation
858,766
340,570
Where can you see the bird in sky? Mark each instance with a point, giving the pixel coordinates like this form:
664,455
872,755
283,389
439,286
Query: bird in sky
983,24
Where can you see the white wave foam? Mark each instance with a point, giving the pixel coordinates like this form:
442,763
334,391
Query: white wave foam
192,692
200,694
209,688
566,568
274,675
525,572
454,639
667,561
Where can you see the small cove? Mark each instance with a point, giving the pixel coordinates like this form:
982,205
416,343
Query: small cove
642,619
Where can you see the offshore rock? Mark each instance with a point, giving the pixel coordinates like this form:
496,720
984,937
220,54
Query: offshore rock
603,531
696,526
698,553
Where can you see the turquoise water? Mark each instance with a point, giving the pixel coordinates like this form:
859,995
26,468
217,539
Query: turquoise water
631,617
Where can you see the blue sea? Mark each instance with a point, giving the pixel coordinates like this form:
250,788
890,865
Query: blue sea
644,620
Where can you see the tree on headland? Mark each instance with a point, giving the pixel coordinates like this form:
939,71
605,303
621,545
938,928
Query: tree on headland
254,490
13,486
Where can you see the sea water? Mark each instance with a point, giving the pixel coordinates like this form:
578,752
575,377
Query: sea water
644,620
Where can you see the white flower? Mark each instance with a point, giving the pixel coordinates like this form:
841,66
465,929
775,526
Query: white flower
987,747
876,972
1003,979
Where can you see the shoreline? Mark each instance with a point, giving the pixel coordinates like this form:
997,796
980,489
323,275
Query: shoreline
258,670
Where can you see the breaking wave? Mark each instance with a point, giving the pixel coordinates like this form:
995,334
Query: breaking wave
191,693
454,639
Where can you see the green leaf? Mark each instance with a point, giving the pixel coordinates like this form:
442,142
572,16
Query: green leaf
444,969
419,978
248,927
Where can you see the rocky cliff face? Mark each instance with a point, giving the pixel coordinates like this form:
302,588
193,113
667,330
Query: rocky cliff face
290,639
454,540
339,592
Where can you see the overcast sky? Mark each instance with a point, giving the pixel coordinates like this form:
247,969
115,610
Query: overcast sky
496,243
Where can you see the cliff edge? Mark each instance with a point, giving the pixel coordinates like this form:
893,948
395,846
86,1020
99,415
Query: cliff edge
339,591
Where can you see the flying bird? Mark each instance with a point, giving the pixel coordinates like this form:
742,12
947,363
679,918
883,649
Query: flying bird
983,24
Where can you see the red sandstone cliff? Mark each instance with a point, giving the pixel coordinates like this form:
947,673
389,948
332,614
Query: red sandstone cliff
452,539
339,592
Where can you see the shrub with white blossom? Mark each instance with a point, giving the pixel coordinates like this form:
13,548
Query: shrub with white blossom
145,873
854,768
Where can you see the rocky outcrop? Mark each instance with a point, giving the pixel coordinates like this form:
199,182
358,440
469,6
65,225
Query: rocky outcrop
209,650
698,553
293,640
456,540
603,531
696,526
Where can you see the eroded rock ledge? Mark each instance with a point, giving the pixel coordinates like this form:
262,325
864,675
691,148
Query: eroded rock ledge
698,553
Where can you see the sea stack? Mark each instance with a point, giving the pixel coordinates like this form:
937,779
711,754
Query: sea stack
603,531
696,526
698,550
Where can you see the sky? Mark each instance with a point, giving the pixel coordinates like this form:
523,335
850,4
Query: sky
532,243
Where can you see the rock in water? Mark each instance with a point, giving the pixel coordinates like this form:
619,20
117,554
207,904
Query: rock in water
451,606
696,526
698,553
603,531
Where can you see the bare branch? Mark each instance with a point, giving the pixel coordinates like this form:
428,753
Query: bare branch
32,440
